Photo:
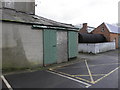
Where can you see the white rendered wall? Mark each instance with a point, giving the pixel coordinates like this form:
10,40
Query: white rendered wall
96,47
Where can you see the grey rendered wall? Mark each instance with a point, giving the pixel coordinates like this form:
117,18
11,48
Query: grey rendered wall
8,4
21,46
62,53
0,52
26,6
32,40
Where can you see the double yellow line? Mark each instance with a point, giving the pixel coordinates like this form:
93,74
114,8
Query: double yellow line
69,75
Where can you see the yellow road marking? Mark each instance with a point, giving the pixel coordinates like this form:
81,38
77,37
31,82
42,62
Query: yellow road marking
87,85
103,64
60,72
63,66
92,65
71,75
92,75
107,74
92,81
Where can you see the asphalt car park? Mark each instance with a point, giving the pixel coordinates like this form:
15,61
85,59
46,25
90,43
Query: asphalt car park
94,71
90,73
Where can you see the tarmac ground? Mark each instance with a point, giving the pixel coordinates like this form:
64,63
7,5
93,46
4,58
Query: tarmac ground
94,71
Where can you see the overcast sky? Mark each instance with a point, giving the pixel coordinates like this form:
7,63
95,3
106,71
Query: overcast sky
93,12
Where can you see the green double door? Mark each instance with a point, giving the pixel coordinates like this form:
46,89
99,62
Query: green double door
50,47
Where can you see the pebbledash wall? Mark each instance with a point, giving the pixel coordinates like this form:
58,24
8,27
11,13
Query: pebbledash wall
96,47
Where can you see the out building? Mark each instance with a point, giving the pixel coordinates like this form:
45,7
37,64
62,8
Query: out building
29,40
109,31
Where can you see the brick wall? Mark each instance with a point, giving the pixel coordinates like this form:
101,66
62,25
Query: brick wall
113,37
99,30
102,29
84,28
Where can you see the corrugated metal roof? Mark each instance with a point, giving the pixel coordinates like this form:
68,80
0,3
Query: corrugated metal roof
13,15
112,28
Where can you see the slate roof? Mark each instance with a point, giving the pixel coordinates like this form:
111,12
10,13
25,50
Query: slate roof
90,29
13,15
112,28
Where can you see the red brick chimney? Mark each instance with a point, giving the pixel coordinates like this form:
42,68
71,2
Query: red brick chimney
85,25
84,28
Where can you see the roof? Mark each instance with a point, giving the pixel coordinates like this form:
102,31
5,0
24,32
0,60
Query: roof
90,29
112,28
18,16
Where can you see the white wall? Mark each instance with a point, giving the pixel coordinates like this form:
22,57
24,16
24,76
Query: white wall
96,48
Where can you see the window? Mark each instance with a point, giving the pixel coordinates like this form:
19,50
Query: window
102,30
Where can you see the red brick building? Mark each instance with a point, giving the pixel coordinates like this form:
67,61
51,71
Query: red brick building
86,29
109,31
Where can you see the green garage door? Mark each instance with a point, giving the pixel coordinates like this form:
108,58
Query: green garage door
72,44
50,47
